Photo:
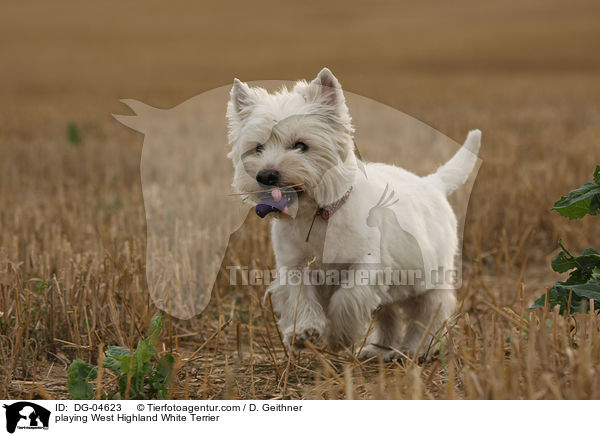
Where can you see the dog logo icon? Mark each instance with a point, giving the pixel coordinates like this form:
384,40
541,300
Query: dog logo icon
26,415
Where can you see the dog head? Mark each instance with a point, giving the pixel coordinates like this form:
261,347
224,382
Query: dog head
300,138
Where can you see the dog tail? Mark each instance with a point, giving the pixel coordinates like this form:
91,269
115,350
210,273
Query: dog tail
456,171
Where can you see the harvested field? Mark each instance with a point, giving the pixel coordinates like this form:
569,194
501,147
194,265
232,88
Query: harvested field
72,223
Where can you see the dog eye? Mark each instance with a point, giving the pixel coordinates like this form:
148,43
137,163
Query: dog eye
259,148
300,146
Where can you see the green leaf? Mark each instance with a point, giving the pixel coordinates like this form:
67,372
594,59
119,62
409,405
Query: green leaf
164,369
142,355
559,297
563,261
582,201
591,253
583,281
554,299
79,373
117,359
118,352
160,380
156,326
113,364
140,367
122,386
582,293
589,290
582,265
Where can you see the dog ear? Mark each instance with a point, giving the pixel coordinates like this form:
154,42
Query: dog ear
238,108
241,97
328,89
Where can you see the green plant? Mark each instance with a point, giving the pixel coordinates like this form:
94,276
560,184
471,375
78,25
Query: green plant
583,284
74,134
138,378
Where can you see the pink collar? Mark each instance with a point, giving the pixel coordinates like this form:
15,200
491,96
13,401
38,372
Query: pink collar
327,211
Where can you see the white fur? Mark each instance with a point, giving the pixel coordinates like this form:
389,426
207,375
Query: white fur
414,227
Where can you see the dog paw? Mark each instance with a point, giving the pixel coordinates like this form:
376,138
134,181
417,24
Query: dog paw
311,335
389,355
373,350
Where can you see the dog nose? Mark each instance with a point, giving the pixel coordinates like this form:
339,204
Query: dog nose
268,177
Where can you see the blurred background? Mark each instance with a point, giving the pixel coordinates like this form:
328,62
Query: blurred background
527,73
80,58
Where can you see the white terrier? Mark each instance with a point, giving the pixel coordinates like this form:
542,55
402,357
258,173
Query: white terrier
339,214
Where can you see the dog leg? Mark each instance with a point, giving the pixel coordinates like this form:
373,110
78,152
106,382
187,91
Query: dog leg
349,314
384,339
421,309
301,317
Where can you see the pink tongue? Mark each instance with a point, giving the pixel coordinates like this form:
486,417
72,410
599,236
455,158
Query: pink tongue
276,193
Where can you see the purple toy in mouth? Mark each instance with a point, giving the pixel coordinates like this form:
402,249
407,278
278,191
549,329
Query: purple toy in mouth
276,201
